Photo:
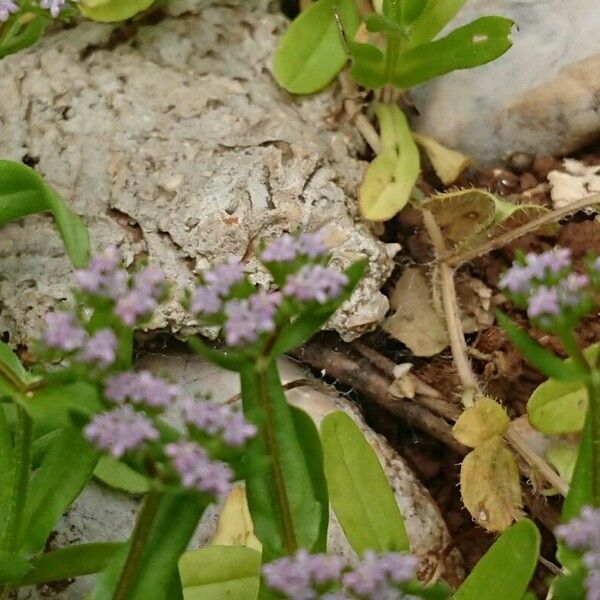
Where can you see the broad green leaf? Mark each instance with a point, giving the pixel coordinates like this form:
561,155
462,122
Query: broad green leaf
220,573
23,192
69,562
307,325
114,10
560,406
376,23
435,16
282,498
23,34
536,355
570,587
412,10
390,178
311,52
12,567
49,407
64,471
172,529
368,65
506,568
120,476
563,457
360,493
475,44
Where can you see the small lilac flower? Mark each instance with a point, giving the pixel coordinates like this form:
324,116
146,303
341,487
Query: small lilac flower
197,470
141,388
7,7
247,319
206,300
572,289
120,431
224,276
315,282
517,280
63,332
104,277
101,348
150,281
553,261
213,418
134,305
293,576
282,249
312,244
544,301
54,6
374,577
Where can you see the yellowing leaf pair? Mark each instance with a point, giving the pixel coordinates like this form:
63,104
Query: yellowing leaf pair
390,178
489,476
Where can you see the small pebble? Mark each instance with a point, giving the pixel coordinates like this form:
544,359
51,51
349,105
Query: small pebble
520,161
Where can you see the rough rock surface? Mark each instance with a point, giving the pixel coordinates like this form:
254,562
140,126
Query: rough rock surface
174,142
102,515
542,96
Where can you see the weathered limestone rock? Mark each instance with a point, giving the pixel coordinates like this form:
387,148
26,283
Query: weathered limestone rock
176,143
102,515
542,96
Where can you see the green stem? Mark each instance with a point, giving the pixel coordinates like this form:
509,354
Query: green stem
572,347
593,389
262,386
392,52
139,537
20,482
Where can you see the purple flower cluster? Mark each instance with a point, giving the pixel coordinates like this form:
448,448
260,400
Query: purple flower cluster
196,469
213,418
141,388
287,248
106,278
119,431
54,6
7,8
101,348
208,299
546,285
249,318
583,534
305,576
315,283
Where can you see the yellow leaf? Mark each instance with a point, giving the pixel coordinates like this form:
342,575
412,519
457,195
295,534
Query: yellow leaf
448,164
478,423
490,485
390,178
235,526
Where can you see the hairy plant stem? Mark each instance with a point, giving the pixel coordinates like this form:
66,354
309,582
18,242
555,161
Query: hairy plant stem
265,402
139,538
21,471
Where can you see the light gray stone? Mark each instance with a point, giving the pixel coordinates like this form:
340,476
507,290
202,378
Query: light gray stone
100,514
177,144
542,96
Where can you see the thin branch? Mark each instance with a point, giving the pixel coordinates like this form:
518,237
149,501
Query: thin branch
457,259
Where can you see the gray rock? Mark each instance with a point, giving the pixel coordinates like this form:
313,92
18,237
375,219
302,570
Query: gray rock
176,144
101,514
542,96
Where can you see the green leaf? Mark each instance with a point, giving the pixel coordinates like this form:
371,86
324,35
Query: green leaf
113,10
6,466
50,405
64,471
506,568
12,364
570,587
12,567
282,498
361,496
120,476
390,178
311,52
435,16
306,325
23,192
172,529
72,561
560,406
368,65
376,23
22,36
474,44
412,10
220,573
536,355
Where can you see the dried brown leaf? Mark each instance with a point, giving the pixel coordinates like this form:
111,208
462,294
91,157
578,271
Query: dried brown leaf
480,422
